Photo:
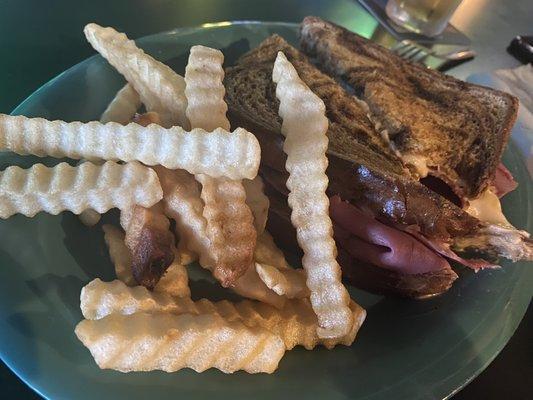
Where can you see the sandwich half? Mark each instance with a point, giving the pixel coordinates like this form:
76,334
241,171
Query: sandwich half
369,175
436,124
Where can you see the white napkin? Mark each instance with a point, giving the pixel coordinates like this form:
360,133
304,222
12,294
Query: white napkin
518,82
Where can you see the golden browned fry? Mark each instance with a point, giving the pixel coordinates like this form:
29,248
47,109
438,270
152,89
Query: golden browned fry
99,299
121,110
186,256
89,217
266,252
235,155
275,272
304,126
168,342
147,231
251,286
75,189
204,90
229,220
160,88
119,254
150,243
182,202
147,118
287,282
175,281
257,201
295,323
229,227
123,106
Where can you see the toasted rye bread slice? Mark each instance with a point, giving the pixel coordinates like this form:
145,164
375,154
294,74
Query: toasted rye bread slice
362,169
349,124
456,129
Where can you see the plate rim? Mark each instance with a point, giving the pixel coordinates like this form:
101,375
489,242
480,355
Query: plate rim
206,25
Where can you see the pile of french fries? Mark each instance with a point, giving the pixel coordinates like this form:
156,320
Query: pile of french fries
179,161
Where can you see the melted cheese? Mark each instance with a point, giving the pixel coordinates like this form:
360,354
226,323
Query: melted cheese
419,162
487,208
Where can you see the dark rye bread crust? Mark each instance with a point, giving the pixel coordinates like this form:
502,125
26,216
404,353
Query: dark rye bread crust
461,128
361,169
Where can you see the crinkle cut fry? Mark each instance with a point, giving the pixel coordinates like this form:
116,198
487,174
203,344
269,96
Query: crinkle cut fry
235,155
204,89
275,272
287,282
251,286
75,189
150,242
120,110
167,342
229,221
183,204
123,106
89,217
119,254
257,201
148,237
304,126
99,299
295,323
175,281
266,252
229,226
160,88
186,256
150,117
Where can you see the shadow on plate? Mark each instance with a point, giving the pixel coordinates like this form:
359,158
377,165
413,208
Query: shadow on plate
87,245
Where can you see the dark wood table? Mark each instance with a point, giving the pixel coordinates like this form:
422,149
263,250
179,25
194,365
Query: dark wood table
39,39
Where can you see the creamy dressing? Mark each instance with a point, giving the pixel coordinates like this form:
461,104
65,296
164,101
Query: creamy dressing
419,162
487,208
385,135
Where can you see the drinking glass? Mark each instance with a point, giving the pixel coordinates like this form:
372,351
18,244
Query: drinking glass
428,17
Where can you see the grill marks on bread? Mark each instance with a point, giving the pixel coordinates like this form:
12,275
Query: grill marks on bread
461,128
349,123
362,168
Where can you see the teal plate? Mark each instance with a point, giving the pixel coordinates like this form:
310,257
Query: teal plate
405,350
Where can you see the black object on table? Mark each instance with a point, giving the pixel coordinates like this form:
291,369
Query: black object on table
521,48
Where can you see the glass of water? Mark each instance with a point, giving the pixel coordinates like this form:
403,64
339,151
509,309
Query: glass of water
428,17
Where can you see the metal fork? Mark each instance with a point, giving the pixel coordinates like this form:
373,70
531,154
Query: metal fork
415,52
412,51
